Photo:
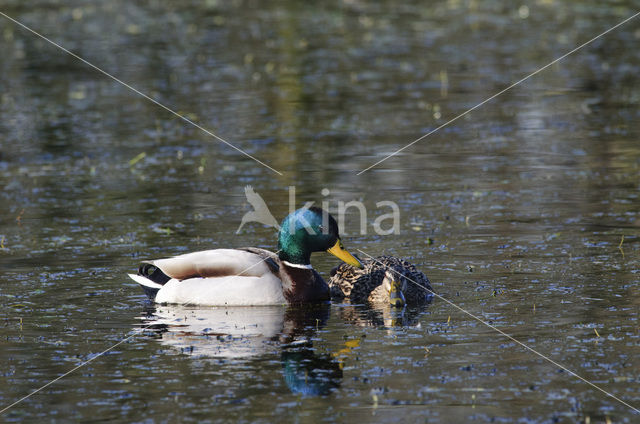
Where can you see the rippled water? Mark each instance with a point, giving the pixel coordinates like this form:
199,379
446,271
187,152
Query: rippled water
525,212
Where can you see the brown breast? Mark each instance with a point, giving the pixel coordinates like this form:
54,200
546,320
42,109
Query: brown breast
303,285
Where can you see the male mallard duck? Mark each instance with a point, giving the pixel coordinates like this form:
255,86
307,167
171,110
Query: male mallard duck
383,279
250,276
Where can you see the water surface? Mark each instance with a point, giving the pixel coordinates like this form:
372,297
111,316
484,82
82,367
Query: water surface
524,213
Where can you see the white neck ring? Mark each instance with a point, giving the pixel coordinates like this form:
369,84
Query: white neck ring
307,266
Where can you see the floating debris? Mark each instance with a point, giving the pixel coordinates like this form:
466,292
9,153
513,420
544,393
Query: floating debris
19,219
137,159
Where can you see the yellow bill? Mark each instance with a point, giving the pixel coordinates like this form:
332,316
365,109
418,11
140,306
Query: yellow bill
339,252
396,297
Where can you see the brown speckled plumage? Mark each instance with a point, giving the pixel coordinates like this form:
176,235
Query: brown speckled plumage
365,285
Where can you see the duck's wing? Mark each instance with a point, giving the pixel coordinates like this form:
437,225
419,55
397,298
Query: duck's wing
213,277
270,259
418,287
345,277
213,263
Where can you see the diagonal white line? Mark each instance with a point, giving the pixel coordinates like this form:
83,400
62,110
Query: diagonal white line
477,318
61,376
168,109
6,408
499,93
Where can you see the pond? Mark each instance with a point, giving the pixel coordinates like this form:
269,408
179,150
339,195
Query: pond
524,213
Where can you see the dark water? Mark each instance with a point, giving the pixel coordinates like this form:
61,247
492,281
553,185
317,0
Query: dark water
525,212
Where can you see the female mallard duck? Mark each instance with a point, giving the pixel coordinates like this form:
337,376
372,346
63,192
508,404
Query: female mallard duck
383,279
250,276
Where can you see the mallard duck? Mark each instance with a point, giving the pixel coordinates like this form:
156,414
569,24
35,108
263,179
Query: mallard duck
383,279
251,276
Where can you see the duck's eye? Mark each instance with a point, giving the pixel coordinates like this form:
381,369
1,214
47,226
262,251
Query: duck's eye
321,229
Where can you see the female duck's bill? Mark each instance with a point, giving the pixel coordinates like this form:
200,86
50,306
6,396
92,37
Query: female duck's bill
396,296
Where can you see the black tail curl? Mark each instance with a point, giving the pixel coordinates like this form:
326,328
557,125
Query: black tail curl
153,273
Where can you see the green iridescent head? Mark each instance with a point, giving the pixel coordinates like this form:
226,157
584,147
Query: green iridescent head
310,230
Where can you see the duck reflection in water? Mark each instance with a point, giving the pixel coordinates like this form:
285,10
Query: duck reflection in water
380,316
253,333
